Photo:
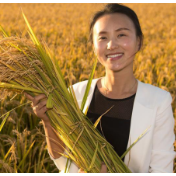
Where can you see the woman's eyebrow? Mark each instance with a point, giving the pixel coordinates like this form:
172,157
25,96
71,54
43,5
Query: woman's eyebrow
117,30
120,29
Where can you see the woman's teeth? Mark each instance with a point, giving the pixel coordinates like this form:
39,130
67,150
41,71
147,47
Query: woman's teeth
115,55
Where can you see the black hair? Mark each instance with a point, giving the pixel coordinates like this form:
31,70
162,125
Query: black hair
117,8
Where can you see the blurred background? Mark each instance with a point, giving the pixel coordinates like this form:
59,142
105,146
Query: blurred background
65,29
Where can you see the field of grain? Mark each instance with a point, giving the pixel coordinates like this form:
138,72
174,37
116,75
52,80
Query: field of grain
64,27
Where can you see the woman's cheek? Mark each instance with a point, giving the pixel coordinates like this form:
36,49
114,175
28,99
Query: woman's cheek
129,46
126,43
100,49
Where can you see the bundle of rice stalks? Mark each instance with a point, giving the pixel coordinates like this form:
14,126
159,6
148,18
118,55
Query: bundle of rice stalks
29,67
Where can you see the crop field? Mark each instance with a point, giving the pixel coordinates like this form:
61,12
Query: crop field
65,29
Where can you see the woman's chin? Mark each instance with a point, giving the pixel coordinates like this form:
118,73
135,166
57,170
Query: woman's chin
120,67
115,68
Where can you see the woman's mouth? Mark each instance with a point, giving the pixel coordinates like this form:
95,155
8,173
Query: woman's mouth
113,57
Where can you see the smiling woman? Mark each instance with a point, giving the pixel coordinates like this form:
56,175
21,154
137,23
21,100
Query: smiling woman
116,37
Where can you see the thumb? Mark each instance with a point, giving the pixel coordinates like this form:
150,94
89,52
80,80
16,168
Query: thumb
103,168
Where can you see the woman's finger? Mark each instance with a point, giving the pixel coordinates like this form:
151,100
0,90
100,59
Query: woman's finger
38,98
44,109
40,113
41,105
28,96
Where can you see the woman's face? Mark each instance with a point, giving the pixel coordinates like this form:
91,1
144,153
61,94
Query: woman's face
115,41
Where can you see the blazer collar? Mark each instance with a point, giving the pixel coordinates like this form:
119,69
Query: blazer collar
138,98
141,119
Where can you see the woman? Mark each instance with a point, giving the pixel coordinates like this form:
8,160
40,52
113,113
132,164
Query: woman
116,37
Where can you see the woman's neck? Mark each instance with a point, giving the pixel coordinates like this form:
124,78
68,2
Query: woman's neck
119,84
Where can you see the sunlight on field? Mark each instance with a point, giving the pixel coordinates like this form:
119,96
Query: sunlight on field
64,27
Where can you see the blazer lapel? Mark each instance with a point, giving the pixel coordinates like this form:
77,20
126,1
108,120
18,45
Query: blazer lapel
142,118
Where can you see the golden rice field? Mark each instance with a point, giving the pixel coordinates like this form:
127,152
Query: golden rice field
64,27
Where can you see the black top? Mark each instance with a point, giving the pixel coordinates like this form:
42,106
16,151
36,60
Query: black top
115,124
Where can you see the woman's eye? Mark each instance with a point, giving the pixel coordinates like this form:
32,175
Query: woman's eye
102,38
121,35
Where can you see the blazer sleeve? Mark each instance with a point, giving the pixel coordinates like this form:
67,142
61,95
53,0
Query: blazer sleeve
61,163
163,154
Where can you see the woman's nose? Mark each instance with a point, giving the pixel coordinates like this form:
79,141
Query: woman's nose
112,45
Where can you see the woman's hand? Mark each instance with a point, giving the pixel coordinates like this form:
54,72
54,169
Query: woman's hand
102,170
38,106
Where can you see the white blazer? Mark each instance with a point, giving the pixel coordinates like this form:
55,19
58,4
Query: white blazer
154,152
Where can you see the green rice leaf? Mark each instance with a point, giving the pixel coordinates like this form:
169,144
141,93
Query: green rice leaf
88,85
3,31
25,155
58,72
49,103
13,86
31,31
4,120
98,120
7,114
44,56
94,157
117,166
135,142
9,151
74,97
86,110
68,164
